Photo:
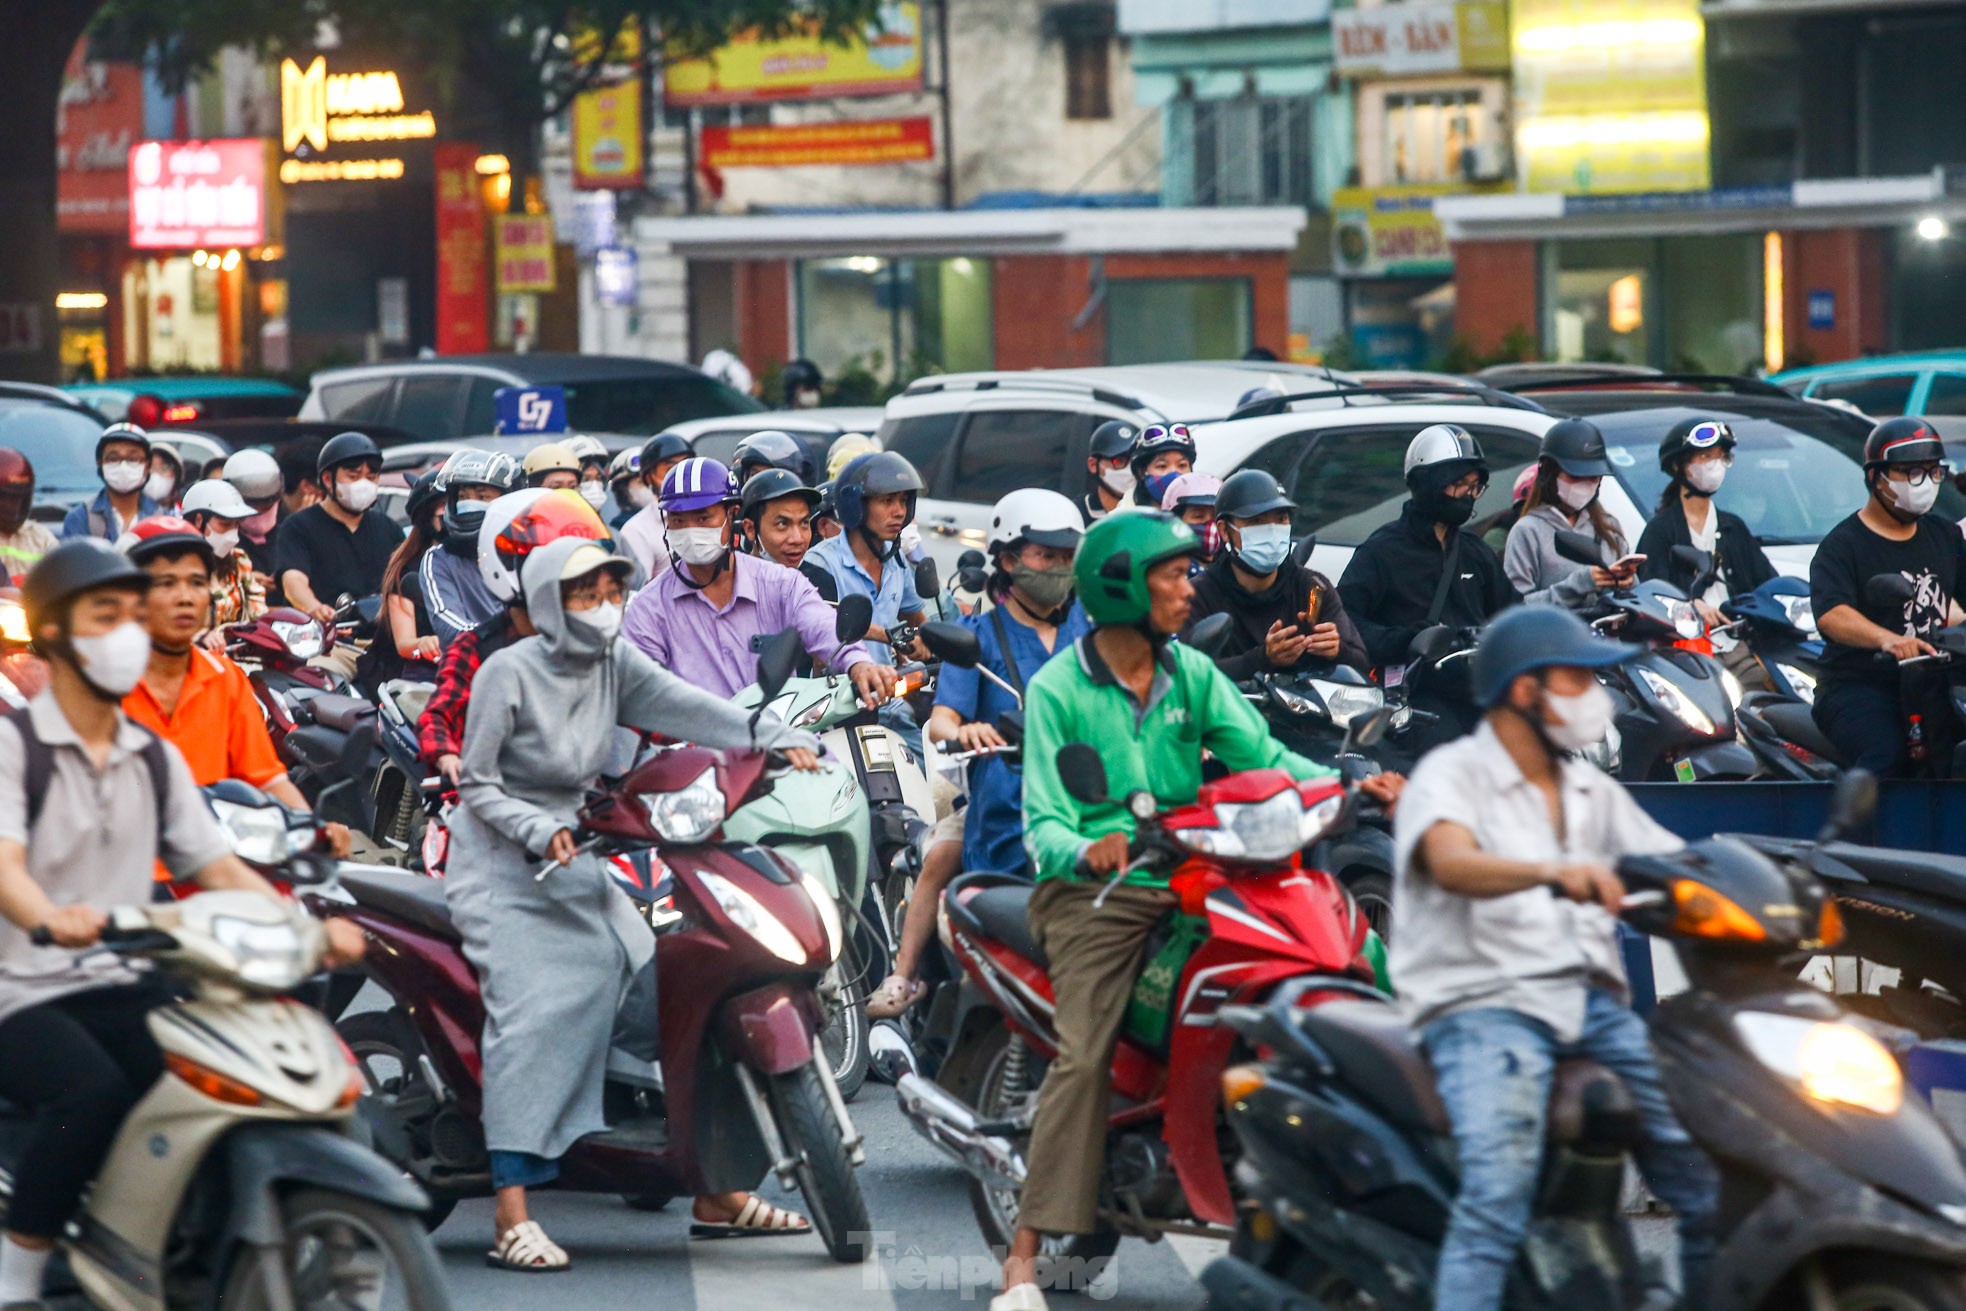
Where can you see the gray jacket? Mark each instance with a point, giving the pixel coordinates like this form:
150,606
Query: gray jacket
1538,572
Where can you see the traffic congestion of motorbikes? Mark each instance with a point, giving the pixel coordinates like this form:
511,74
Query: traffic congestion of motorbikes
724,791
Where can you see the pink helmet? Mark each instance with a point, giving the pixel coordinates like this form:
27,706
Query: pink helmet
1523,481
1191,489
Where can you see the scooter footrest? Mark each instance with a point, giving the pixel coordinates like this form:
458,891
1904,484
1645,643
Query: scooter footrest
650,1135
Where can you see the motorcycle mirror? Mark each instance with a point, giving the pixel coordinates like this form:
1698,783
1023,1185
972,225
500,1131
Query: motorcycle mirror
927,581
1364,734
1010,725
972,559
1887,590
1851,804
369,609
1428,643
1578,548
952,643
972,578
1692,559
775,664
1083,773
1209,636
1305,546
855,617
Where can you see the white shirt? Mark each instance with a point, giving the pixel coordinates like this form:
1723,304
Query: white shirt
643,539
1707,539
1535,951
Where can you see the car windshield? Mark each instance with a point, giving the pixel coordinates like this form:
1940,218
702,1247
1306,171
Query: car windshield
643,407
59,443
1794,478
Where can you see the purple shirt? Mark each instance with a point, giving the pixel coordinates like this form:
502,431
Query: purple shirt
679,629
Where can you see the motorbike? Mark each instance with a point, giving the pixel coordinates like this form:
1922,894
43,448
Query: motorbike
22,673
236,1181
745,1085
1836,1191
1252,917
1778,623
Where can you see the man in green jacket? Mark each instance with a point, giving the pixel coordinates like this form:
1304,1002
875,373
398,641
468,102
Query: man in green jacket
1151,706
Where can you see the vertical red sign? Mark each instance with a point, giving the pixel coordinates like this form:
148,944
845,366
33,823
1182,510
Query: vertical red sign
463,316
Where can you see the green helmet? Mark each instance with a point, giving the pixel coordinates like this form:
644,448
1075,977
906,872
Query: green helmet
1113,560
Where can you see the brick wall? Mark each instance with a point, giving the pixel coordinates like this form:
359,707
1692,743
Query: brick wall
1495,292
1849,264
762,289
1034,299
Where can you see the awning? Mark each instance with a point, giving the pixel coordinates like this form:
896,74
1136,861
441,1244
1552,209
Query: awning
1827,203
1721,9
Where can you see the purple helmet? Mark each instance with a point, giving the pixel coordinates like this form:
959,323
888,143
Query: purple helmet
697,484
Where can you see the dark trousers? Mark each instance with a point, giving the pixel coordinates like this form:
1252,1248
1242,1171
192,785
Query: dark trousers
79,1063
1865,724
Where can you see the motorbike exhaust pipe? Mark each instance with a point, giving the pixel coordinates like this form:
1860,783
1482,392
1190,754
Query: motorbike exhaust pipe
1235,1285
953,1127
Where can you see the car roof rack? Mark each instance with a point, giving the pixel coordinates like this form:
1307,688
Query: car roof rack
1270,405
1732,382
930,386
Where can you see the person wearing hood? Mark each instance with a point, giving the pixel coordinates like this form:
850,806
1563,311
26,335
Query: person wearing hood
1570,468
454,591
123,464
540,732
1285,614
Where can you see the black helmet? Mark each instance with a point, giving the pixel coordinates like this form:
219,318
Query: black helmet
78,565
1113,439
122,432
1690,435
344,448
800,375
665,446
882,473
826,507
1249,493
1156,438
770,449
1577,447
1905,440
769,485
1527,638
425,493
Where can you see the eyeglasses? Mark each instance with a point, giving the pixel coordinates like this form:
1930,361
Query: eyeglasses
1918,474
1710,433
1468,487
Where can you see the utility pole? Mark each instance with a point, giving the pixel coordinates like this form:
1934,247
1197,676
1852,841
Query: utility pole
948,117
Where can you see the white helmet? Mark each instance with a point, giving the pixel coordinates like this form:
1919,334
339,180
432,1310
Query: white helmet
255,473
586,448
499,575
1036,514
214,496
1443,443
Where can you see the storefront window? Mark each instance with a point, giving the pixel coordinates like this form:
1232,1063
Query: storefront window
1153,320
1253,150
896,318
1432,136
1686,304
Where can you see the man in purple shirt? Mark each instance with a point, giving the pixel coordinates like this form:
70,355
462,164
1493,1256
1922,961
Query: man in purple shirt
702,618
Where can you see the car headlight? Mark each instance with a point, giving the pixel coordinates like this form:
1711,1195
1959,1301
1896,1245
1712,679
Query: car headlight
829,915
689,814
259,834
1348,701
1801,612
1831,1062
1263,830
1801,680
268,955
303,639
1667,694
749,914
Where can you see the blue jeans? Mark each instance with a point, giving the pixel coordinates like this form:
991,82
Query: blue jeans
1494,1068
522,1170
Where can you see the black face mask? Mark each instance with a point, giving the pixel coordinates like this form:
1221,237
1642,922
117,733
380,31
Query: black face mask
1450,510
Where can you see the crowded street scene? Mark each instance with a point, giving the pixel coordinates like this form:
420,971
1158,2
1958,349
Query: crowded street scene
1194,655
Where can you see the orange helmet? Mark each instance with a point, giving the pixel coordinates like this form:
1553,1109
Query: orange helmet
521,522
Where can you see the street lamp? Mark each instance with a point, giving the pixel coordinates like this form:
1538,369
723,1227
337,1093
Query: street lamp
1933,228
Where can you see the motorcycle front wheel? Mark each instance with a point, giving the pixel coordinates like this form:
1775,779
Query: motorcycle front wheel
338,1252
1893,1284
826,1177
845,1038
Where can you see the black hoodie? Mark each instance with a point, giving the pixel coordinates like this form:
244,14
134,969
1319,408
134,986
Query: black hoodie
1219,590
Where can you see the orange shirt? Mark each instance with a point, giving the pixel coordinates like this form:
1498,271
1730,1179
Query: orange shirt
218,725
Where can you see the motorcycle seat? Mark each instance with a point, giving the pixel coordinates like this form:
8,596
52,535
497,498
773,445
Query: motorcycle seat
412,698
1794,722
1930,873
410,897
341,713
998,907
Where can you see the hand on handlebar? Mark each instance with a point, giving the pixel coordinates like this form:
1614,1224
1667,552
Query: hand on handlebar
979,737
874,684
1587,883
1903,646
802,759
1384,788
1108,855
451,767
75,926
323,613
562,849
346,945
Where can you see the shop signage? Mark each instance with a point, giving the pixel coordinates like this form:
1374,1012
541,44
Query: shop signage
317,107
523,249
885,59
863,141
607,138
1405,39
615,276
1382,232
98,117
1822,309
187,194
463,317
1137,16
531,409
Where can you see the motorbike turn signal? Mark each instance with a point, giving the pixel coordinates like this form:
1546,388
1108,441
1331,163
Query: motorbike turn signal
1239,1081
1704,913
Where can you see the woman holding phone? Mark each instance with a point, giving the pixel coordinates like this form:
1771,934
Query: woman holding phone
1570,468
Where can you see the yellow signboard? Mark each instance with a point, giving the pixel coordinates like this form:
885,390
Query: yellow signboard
1389,232
886,59
317,107
1610,95
607,138
523,246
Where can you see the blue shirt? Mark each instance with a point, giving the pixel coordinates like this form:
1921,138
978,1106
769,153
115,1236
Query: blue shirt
894,597
454,594
993,828
76,522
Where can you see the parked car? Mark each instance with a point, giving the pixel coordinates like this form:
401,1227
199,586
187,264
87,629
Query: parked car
189,399
451,396
57,433
816,430
1508,375
1931,383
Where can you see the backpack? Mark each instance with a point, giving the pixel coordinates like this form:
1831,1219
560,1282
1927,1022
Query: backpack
38,768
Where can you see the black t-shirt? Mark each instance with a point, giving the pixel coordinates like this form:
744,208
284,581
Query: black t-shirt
1850,555
337,562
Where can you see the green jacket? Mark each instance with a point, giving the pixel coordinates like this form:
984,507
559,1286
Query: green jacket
1192,706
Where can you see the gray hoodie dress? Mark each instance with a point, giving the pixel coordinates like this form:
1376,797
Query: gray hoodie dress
1538,572
555,956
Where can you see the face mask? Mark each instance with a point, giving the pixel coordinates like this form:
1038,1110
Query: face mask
1158,483
697,546
1706,476
356,497
1576,493
223,544
1048,588
1913,501
594,492
124,476
158,486
259,525
113,662
1452,510
640,495
1120,482
1264,547
1586,717
1211,539
603,621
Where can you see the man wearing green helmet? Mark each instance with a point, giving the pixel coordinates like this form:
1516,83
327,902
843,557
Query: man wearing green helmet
1152,706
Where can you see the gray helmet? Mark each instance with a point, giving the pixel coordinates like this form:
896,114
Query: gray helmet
1443,443
1528,638
1113,438
1576,447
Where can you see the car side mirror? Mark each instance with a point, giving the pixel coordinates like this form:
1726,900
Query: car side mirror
1364,734
1851,804
775,663
1429,643
952,644
1083,773
855,617
1579,548
1306,545
1211,634
927,581
1886,590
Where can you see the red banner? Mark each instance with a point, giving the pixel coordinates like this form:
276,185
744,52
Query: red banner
859,141
98,118
185,194
463,316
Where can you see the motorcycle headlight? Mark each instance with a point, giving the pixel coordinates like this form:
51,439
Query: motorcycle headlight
812,714
1831,1062
1347,701
1270,830
749,914
1685,620
689,814
13,623
829,915
259,834
1801,612
303,639
1292,700
268,955
1667,694
1801,680
1732,685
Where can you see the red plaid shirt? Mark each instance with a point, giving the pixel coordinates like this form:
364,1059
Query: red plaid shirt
441,730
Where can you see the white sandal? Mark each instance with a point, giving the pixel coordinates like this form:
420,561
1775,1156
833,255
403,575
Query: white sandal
757,1219
895,995
526,1249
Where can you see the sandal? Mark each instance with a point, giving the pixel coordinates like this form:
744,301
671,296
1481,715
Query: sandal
896,994
758,1219
526,1249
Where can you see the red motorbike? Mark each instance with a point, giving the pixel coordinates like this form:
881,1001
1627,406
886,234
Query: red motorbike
745,1086
1252,916
22,673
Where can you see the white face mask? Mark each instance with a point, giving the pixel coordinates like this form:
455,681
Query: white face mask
223,544
1120,482
697,546
1914,500
357,496
640,495
114,662
603,619
1706,476
1587,717
158,486
124,476
594,492
1576,493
